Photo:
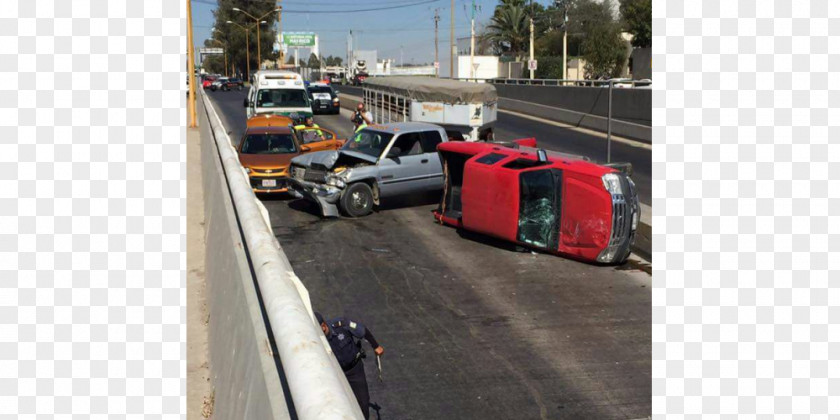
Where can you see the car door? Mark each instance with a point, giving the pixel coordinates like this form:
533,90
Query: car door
317,139
434,167
249,102
409,171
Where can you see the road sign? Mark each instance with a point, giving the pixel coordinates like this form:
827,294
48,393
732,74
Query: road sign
532,64
205,50
298,39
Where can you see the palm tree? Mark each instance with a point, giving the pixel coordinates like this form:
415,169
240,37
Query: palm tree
509,28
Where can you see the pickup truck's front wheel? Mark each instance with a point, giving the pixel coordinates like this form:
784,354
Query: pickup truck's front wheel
357,200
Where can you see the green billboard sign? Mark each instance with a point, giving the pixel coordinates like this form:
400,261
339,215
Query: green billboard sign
298,39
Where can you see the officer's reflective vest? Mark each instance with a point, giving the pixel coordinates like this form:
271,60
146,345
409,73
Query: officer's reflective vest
304,126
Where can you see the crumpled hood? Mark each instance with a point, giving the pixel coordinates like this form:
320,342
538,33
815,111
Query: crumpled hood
328,158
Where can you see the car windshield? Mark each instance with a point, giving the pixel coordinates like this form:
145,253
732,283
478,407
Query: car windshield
282,98
319,89
268,144
539,219
369,142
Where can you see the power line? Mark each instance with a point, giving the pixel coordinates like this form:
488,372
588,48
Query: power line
361,10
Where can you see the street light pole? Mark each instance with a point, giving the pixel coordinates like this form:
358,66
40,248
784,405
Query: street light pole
247,47
258,21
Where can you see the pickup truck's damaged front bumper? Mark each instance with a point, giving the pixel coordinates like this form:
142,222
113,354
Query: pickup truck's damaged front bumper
325,196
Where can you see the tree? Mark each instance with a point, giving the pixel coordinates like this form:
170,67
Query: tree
333,61
509,29
314,62
636,18
291,59
604,51
234,37
601,45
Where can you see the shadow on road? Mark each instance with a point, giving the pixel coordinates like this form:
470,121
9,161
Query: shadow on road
376,408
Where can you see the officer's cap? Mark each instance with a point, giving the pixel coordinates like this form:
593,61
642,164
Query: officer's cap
319,317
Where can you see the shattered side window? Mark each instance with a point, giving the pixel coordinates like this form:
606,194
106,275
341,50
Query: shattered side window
539,208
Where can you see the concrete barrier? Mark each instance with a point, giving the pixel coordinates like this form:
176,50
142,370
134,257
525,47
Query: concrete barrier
593,122
317,388
629,105
246,381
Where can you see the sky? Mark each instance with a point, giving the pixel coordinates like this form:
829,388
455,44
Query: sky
407,30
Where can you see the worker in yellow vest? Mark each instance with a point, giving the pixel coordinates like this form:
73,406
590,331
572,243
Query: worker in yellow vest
309,130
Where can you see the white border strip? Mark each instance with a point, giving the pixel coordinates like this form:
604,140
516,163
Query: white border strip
318,386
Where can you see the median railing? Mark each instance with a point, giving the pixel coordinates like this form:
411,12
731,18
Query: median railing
619,83
316,383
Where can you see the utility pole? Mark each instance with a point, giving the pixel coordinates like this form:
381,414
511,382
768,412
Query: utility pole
191,65
280,30
472,42
452,40
565,32
347,63
437,63
531,14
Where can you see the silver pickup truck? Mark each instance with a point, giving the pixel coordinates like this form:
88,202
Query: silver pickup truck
380,161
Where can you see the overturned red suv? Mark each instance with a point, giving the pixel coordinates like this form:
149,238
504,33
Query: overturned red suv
557,203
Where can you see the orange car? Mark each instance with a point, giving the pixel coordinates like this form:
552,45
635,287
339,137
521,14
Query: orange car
269,144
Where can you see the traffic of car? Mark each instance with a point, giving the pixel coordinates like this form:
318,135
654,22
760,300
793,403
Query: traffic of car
269,144
510,190
324,99
380,162
556,203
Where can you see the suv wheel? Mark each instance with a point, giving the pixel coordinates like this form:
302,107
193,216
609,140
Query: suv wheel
357,200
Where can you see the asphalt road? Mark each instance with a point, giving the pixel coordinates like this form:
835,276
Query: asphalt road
569,140
472,327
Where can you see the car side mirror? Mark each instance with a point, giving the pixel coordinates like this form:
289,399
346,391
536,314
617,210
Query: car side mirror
337,93
394,153
305,148
245,103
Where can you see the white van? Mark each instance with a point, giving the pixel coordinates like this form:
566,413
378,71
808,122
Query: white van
277,92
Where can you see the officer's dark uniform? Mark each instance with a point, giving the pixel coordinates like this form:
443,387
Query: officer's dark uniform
344,337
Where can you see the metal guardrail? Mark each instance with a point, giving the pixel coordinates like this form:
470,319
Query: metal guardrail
316,383
620,83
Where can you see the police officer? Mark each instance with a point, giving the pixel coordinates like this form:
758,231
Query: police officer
344,336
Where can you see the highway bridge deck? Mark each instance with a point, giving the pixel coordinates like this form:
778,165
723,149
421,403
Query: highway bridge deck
472,327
